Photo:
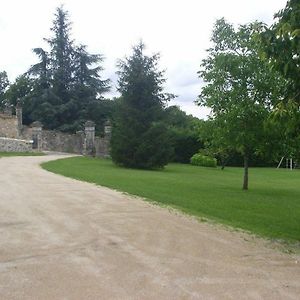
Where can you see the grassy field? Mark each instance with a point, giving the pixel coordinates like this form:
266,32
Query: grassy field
7,154
271,208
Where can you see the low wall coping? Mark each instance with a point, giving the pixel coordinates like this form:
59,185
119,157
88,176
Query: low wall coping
19,140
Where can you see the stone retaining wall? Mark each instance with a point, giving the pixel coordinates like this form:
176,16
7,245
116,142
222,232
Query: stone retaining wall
8,126
15,145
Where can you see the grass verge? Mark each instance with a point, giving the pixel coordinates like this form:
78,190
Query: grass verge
8,154
271,208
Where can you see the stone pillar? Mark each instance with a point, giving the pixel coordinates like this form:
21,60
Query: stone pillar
89,144
107,130
19,115
106,140
37,129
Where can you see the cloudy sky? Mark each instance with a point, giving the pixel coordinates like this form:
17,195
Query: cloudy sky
179,30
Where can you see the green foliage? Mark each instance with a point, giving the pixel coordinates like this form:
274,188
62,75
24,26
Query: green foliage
280,44
65,86
270,209
4,83
138,140
183,129
199,159
21,89
240,89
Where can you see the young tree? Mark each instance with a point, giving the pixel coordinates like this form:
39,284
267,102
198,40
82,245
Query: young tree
239,89
139,139
4,83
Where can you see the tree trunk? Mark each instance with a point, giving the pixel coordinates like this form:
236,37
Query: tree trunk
224,162
245,184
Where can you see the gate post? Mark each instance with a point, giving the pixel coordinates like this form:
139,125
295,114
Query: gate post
89,144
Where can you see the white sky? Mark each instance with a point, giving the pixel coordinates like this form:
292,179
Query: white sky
179,30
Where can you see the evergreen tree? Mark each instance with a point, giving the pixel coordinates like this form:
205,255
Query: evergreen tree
61,55
67,81
41,70
139,139
87,68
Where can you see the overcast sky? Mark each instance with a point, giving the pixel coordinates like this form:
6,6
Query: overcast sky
179,30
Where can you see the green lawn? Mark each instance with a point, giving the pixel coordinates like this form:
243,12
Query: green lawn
270,208
7,154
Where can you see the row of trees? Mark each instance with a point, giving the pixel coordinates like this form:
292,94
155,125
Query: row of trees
64,89
252,87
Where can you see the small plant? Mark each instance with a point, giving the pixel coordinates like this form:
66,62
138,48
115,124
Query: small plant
199,159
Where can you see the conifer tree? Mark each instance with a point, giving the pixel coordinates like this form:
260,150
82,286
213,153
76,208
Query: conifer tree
139,139
67,81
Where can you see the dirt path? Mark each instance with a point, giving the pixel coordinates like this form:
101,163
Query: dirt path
65,239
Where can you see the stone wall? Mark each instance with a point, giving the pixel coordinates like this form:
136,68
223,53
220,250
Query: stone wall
61,142
14,145
26,132
83,142
8,126
102,147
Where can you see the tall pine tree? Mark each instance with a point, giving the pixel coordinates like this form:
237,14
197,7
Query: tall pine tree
139,139
67,81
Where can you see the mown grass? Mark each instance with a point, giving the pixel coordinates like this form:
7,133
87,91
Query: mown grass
270,208
8,154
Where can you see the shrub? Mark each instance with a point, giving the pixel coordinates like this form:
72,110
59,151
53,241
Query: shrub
199,159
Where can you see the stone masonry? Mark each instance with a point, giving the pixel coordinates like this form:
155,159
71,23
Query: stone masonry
14,145
35,138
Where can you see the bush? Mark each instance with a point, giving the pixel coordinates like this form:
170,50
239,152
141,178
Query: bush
199,159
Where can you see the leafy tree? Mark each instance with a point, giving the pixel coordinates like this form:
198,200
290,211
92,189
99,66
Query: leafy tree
20,89
3,86
184,133
139,139
239,90
215,142
280,44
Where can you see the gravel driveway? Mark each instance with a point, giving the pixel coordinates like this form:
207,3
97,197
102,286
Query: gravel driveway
65,239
